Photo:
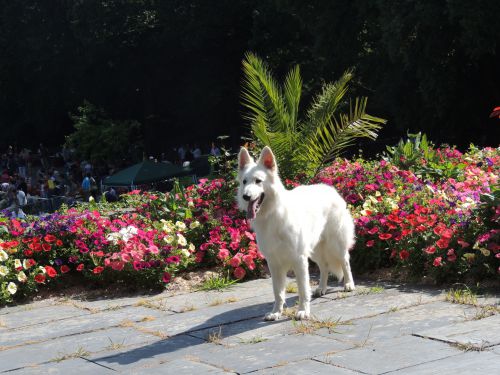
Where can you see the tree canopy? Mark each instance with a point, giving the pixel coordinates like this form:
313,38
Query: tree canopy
174,66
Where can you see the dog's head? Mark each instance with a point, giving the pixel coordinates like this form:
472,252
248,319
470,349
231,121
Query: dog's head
256,180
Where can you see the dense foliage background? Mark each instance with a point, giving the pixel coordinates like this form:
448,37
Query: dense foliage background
175,65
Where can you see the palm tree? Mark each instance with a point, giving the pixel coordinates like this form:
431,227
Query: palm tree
302,145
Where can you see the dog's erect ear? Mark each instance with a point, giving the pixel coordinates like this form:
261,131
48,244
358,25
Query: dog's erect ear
244,158
267,159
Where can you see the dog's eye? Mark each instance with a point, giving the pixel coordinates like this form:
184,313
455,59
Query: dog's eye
257,181
244,182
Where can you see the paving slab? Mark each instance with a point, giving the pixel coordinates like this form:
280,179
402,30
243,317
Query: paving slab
367,331
247,358
103,304
480,334
470,363
27,306
199,300
247,331
66,347
213,316
178,367
306,367
77,324
28,317
151,355
390,355
362,306
75,366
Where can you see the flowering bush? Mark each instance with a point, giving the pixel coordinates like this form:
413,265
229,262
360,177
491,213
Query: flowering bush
431,227
100,247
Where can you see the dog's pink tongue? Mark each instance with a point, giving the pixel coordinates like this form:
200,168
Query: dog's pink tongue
252,210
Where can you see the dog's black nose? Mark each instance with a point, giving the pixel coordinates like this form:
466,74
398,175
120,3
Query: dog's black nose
246,197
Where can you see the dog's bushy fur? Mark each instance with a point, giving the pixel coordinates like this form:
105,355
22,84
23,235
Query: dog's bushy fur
292,226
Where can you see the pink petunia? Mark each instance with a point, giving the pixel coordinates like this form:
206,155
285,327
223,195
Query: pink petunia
437,262
239,273
223,254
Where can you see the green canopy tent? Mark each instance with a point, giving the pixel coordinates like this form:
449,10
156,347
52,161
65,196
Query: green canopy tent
146,172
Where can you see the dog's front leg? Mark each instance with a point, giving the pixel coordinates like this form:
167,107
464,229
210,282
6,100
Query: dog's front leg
302,274
278,277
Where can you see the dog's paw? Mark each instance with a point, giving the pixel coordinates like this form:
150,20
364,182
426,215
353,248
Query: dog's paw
302,315
349,287
319,292
272,316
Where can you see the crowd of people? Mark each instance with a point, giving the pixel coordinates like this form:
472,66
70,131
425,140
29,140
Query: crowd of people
37,181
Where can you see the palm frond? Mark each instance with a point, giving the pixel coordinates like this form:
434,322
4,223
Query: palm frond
262,95
325,104
330,140
292,89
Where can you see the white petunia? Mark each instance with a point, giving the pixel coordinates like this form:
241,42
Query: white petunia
3,256
169,239
12,288
194,224
3,271
21,276
180,225
17,263
181,240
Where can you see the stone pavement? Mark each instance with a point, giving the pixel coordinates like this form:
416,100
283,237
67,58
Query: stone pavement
381,328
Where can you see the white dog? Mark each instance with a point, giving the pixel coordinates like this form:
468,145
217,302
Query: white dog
293,226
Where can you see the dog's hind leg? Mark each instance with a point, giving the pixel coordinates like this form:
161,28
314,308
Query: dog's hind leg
323,279
301,269
348,279
278,277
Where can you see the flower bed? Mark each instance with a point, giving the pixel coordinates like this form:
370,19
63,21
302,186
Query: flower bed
443,227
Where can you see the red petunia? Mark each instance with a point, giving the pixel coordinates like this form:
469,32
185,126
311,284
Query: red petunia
373,230
438,229
384,236
98,270
421,219
59,243
35,246
442,243
166,277
370,243
403,254
40,278
80,267
50,238
51,272
437,262
430,250
65,269
46,247
447,233
495,113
